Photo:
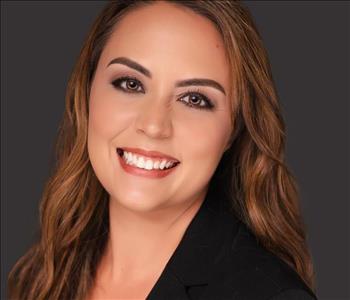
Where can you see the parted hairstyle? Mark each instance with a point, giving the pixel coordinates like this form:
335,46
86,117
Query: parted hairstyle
261,190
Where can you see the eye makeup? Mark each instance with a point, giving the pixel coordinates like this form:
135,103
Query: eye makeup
117,83
121,83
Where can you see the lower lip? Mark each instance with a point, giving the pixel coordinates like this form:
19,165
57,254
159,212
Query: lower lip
144,173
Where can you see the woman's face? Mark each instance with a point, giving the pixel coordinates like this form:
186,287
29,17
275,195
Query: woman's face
152,112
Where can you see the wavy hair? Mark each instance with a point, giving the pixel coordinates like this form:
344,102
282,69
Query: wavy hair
74,220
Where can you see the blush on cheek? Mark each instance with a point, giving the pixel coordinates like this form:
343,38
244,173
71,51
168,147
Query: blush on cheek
108,119
97,125
101,117
210,146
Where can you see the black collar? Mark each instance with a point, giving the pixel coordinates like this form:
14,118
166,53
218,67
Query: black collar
193,260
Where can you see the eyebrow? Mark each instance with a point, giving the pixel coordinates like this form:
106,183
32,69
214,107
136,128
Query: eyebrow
182,83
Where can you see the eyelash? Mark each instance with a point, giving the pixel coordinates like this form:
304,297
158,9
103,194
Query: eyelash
208,103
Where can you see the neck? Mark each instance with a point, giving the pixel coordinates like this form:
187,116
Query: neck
140,244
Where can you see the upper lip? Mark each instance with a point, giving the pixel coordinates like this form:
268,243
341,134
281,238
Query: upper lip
152,154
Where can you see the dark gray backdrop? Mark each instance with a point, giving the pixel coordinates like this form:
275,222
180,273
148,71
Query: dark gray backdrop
308,45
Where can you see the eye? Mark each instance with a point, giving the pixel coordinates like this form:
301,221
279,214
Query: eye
197,100
128,84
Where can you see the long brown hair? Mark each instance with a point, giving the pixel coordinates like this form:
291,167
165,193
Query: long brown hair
74,222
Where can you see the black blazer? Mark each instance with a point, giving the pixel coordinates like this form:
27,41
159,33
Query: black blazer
219,258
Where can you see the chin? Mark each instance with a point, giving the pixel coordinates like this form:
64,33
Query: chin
140,203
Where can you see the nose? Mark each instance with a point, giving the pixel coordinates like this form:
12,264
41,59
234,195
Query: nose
154,119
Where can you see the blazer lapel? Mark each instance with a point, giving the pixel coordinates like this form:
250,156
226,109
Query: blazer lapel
190,266
218,257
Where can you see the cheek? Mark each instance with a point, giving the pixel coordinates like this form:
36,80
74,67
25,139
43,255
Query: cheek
204,137
206,133
103,119
108,116
105,122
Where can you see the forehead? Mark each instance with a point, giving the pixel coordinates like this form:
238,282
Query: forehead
168,38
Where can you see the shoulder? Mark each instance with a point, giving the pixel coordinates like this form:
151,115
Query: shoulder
246,270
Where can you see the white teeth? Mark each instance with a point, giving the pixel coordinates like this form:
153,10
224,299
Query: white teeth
140,163
156,165
128,157
149,164
162,164
133,159
145,163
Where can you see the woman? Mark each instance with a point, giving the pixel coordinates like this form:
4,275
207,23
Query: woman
170,180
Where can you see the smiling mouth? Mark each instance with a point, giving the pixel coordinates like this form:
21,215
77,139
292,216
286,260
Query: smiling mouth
146,163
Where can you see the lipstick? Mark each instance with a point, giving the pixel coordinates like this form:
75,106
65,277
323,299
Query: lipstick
154,173
150,154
